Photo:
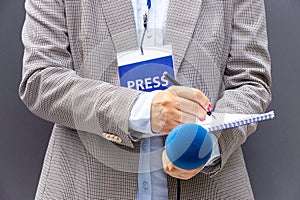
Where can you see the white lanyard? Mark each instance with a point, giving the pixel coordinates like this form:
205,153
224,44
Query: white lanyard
145,19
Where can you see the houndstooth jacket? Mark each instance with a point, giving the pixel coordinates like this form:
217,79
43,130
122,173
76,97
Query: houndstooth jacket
70,78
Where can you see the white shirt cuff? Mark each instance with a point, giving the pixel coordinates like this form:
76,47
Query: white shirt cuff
215,154
141,112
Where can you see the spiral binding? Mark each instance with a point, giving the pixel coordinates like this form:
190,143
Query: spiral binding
247,120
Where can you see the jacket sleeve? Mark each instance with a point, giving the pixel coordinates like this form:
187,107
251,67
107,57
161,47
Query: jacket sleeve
50,87
247,77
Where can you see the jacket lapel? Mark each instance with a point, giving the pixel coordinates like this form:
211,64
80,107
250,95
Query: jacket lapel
181,22
119,17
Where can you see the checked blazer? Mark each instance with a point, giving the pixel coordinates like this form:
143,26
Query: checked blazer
70,78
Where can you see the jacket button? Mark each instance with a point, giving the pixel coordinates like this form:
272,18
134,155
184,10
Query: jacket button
111,136
117,139
145,185
107,136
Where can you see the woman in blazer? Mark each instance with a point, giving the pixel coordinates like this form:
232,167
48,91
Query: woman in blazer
70,78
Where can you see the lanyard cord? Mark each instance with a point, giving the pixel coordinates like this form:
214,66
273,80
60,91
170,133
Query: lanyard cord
178,189
145,19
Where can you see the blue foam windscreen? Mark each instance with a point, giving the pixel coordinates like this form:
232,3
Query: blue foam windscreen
189,146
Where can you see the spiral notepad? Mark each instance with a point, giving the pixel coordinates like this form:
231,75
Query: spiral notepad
221,121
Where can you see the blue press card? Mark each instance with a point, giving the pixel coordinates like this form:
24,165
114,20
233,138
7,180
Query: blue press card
147,75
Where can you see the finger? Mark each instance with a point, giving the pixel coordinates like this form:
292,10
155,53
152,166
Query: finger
186,172
165,160
170,166
202,100
190,107
191,94
185,118
176,118
183,176
176,172
167,164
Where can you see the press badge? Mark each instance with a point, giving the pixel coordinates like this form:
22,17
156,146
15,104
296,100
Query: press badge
144,72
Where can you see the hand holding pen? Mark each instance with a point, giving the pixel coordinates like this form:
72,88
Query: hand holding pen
177,105
175,82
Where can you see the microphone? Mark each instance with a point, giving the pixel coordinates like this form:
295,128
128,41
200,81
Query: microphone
189,146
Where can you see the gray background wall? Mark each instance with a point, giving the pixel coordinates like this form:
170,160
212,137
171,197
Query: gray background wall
272,153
